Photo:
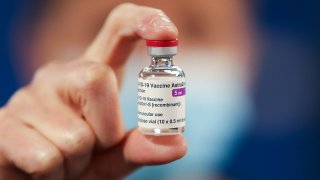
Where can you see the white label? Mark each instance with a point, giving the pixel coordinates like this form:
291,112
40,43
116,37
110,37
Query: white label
161,103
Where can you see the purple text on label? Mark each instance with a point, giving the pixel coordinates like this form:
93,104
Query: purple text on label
178,92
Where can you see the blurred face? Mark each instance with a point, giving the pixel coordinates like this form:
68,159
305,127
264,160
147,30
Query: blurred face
210,24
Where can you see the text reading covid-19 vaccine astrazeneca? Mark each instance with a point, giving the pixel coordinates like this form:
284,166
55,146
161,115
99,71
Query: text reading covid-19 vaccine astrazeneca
161,91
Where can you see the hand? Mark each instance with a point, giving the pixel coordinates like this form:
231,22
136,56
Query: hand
67,122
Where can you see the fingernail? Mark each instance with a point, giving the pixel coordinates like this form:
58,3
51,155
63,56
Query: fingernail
161,22
157,27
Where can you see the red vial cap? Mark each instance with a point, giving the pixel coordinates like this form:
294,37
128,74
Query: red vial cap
162,43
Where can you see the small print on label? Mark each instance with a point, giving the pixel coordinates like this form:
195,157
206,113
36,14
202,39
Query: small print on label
161,103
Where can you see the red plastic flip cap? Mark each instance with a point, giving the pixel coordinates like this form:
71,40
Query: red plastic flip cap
162,43
162,47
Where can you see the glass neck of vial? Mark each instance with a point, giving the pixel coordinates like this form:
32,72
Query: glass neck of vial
161,61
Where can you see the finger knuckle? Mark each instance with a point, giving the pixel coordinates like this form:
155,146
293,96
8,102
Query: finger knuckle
118,12
78,142
43,161
20,98
124,6
6,121
97,75
131,7
44,72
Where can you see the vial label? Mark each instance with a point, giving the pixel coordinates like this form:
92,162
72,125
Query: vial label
161,103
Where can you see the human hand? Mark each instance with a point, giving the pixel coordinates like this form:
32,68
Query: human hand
67,122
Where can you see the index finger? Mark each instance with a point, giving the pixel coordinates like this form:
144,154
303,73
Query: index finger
125,25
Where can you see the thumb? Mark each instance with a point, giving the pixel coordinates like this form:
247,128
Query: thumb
135,151
125,25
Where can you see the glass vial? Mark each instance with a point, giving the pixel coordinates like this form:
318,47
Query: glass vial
161,91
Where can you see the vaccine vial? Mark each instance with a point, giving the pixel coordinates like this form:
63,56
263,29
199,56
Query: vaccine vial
161,91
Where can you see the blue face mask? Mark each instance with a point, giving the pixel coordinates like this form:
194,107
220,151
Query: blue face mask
218,110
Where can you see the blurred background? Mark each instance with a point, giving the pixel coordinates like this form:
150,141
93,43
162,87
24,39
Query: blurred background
252,72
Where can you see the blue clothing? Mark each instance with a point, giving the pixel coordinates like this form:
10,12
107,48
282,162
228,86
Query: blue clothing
8,82
284,139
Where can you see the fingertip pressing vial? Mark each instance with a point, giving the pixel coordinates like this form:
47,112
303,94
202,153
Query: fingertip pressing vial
161,91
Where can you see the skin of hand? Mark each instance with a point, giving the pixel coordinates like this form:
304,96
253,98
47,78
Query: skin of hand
67,124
